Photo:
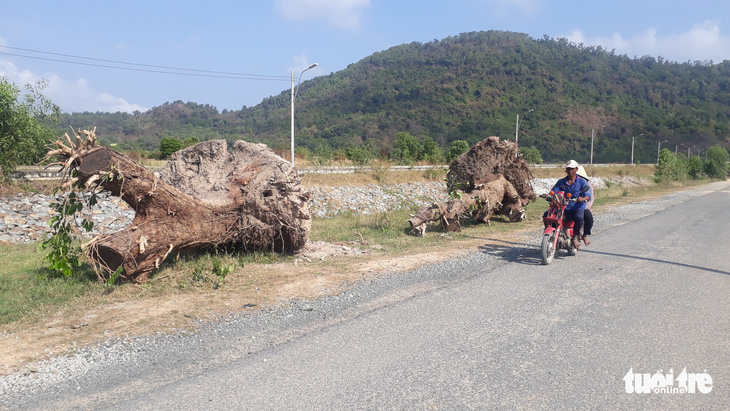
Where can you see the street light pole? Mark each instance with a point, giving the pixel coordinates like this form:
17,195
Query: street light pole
633,139
593,133
293,94
659,147
517,125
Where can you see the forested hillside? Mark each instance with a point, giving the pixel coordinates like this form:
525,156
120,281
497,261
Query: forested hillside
469,87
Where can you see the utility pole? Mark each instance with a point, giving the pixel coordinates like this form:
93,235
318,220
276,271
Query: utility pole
633,139
293,94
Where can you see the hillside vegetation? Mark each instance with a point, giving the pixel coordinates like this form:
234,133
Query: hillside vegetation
468,87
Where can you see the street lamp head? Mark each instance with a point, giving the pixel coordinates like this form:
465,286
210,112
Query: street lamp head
313,66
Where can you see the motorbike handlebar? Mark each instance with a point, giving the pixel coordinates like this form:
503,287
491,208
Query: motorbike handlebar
550,199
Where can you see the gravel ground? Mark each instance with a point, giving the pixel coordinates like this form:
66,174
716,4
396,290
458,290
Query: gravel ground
119,360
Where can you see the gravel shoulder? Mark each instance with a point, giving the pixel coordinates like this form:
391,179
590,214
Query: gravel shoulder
117,361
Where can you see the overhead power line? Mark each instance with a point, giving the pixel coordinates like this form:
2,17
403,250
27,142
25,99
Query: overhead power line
180,71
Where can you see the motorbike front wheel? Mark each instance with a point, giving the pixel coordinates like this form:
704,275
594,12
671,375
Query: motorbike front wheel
548,251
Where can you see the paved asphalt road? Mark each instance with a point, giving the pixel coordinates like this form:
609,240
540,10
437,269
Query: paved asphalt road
649,296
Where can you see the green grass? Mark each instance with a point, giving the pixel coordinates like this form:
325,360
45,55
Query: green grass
25,293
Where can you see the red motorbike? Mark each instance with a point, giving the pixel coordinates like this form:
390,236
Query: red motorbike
558,232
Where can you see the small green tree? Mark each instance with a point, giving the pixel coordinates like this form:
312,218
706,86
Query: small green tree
170,145
24,125
695,168
322,155
360,155
669,167
458,147
717,162
190,141
431,151
406,149
531,154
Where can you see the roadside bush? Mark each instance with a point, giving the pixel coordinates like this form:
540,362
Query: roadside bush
695,168
360,155
322,155
169,145
431,151
458,147
406,149
670,167
717,162
531,155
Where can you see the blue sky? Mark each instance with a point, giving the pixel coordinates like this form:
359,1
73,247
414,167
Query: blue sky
272,38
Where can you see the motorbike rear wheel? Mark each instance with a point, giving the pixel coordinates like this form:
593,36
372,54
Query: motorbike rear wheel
548,251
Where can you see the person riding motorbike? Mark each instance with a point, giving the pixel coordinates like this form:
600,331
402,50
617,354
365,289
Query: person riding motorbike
587,213
579,190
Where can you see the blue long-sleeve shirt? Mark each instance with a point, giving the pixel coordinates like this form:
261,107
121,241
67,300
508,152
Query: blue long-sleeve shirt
579,188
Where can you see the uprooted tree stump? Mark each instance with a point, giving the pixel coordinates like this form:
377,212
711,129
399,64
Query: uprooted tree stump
207,196
491,178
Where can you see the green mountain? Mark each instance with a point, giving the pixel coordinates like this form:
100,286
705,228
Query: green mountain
469,87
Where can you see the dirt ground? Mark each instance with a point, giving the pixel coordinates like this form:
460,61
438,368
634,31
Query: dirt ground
321,269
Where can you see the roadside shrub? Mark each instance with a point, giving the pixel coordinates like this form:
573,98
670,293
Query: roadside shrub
170,145
669,167
431,151
322,155
360,155
695,168
717,162
531,155
458,147
406,149
381,171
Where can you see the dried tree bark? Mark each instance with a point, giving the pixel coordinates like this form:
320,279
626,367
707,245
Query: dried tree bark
491,178
206,197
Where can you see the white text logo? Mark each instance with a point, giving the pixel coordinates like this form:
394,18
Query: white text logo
661,383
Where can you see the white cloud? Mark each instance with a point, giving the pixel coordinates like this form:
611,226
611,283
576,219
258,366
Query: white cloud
300,63
702,42
343,14
75,96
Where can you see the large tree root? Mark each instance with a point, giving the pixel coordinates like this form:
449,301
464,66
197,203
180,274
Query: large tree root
254,200
481,203
491,178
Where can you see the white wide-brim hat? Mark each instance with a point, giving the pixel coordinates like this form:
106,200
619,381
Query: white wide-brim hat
582,172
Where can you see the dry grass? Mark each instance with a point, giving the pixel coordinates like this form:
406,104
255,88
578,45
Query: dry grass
153,163
381,174
603,171
28,186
